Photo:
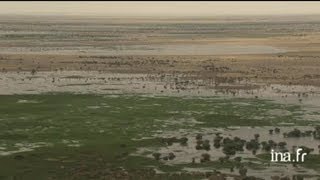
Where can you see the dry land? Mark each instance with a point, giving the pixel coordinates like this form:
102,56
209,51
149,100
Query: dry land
90,98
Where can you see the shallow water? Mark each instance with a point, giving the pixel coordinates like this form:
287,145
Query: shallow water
184,154
194,49
170,49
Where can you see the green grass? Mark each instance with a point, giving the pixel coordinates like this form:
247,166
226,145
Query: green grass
104,126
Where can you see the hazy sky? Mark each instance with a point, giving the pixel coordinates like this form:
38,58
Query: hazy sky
160,8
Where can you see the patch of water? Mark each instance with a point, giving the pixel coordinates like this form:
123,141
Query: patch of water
185,153
23,101
169,49
23,147
71,143
93,107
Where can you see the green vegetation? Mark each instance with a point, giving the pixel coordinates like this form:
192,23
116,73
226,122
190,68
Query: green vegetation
67,131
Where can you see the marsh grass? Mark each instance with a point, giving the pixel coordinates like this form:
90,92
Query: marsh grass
103,129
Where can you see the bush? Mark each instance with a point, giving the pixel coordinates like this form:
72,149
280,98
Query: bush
243,171
183,141
198,136
171,156
294,133
156,156
205,157
252,145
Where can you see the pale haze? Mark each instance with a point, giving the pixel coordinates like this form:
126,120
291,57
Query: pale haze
160,9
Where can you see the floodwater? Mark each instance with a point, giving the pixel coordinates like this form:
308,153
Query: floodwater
194,49
163,49
184,154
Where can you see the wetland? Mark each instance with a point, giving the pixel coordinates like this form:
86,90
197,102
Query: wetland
157,99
